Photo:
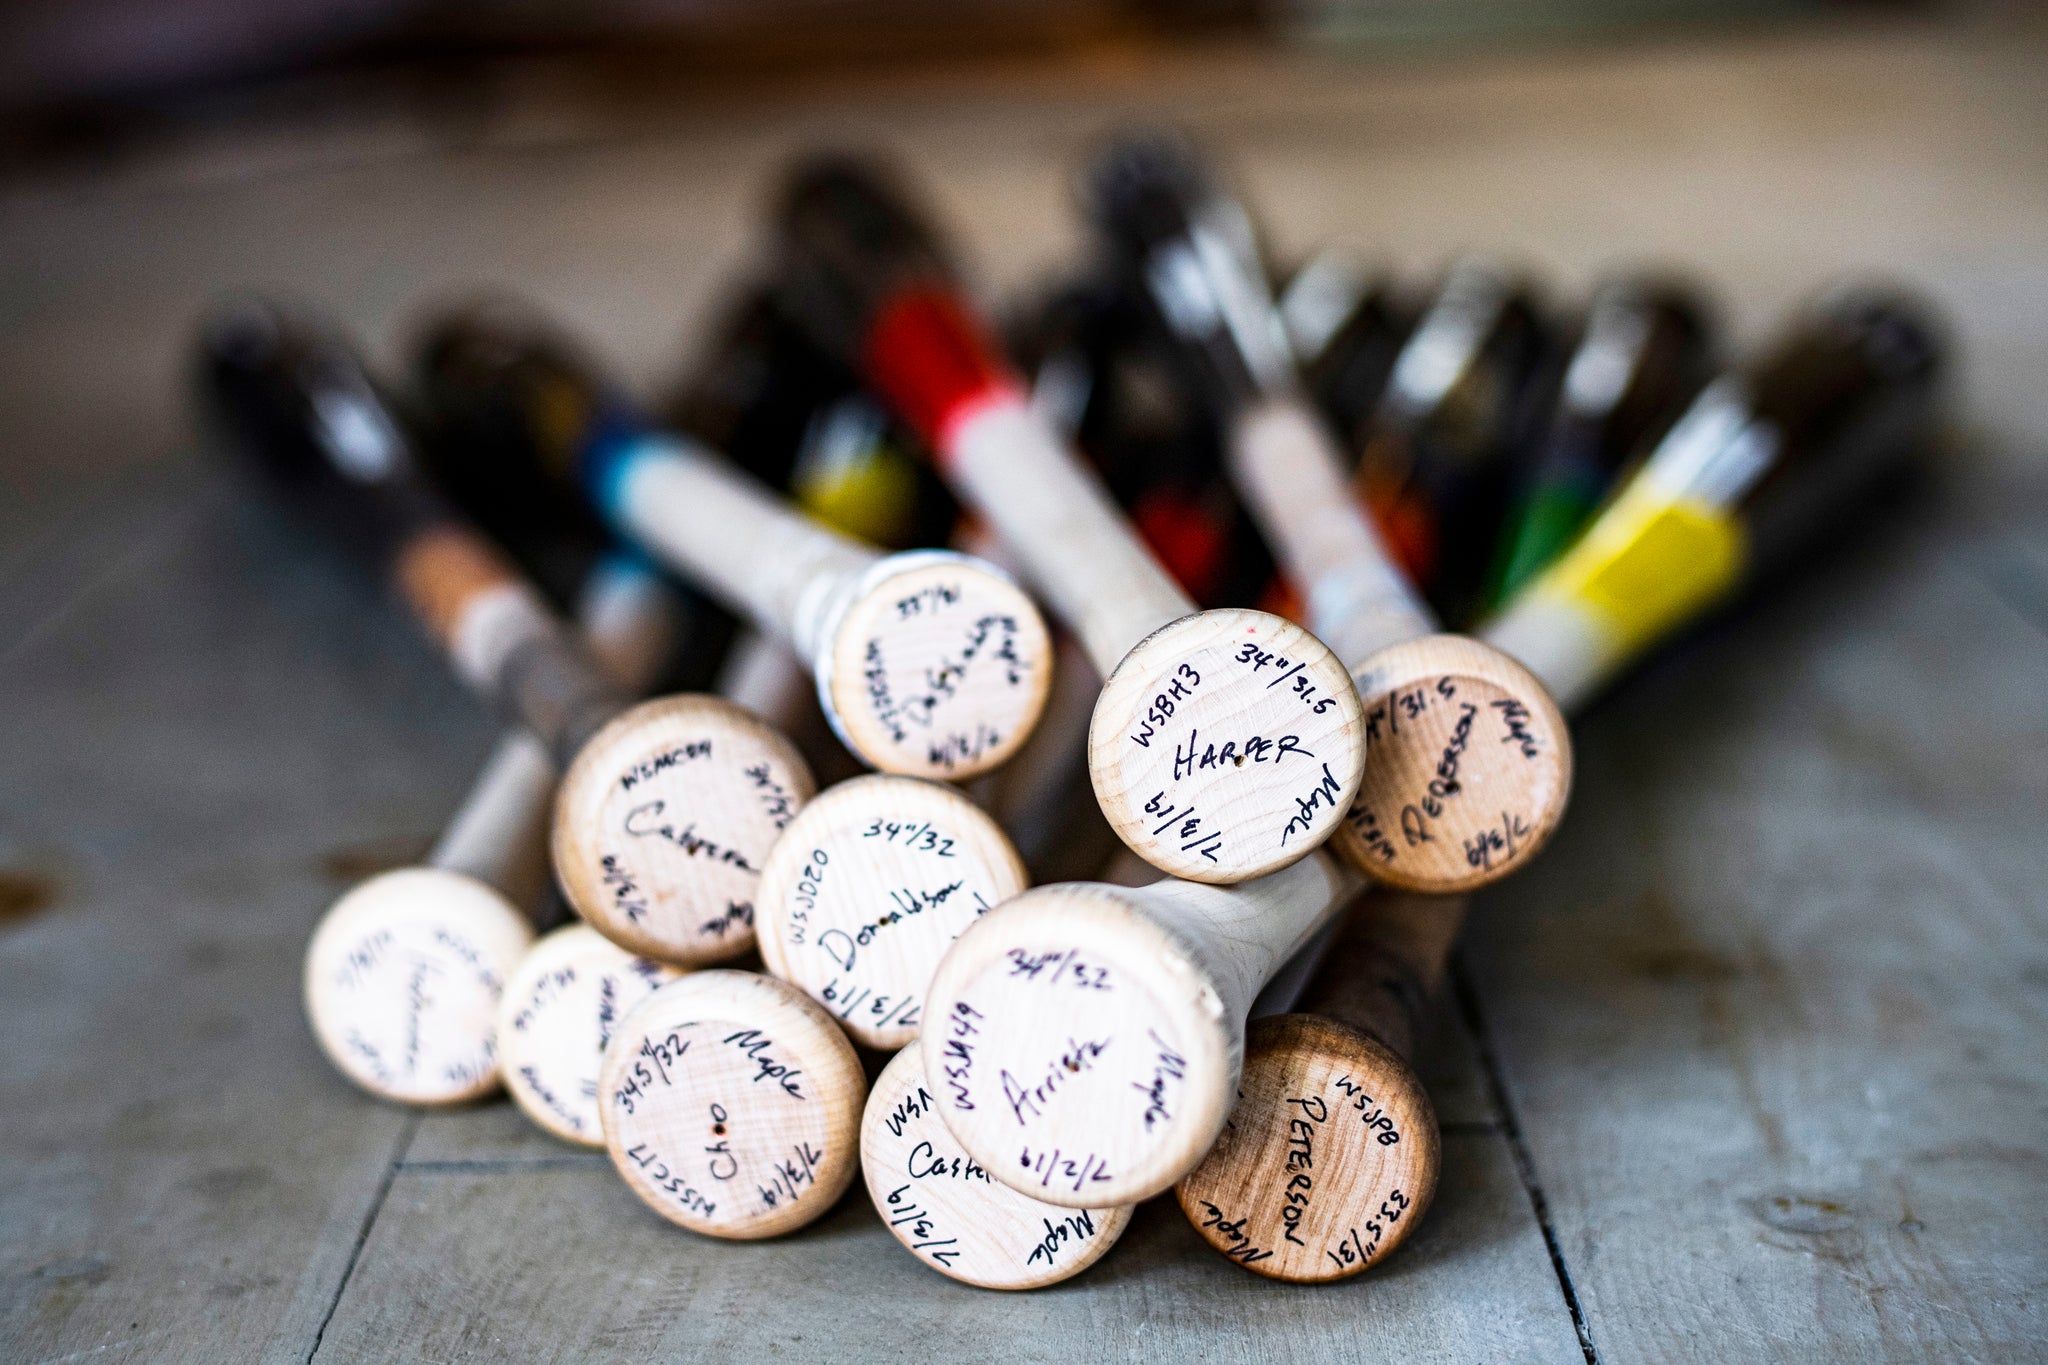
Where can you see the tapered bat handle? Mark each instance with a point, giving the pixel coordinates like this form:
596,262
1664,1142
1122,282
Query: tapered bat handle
1059,520
721,528
1385,967
299,407
1288,468
627,616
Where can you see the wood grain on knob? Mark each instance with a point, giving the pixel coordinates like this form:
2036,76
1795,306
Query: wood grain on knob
868,888
731,1105
1338,1184
1468,766
557,1013
664,821
950,1213
937,667
1227,745
402,980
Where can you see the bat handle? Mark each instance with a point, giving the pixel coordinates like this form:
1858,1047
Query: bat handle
1384,970
1285,463
627,615
1006,461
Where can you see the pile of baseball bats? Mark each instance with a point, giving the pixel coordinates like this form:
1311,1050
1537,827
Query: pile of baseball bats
1209,628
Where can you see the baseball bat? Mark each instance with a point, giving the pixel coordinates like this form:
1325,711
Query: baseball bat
731,1105
950,1213
1468,762
404,974
866,890
1644,352
927,663
666,809
1330,1158
1224,744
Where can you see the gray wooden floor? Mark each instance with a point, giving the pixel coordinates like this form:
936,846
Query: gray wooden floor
1750,1065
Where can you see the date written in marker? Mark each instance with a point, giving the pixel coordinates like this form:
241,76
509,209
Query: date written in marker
1502,841
1057,1165
1192,835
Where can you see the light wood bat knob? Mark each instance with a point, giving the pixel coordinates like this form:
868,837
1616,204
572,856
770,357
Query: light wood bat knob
557,1013
950,1213
868,888
1468,767
1077,1048
1328,1161
1226,745
664,821
938,667
402,980
731,1105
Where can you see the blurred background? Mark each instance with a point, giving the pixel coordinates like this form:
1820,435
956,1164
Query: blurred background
610,158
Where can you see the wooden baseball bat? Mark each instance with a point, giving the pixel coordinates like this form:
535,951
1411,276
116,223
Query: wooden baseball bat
666,809
559,1007
768,399
950,1213
1086,1039
795,418
1468,762
1436,460
1346,327
1224,744
1645,350
927,663
868,888
403,975
731,1104
1330,1158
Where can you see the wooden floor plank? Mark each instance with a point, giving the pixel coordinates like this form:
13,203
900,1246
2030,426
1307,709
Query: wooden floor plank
562,1264
181,1176
1771,1010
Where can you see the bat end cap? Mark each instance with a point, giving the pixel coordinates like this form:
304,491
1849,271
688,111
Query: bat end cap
1319,1102
402,981
1468,767
1227,745
1077,1049
938,667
